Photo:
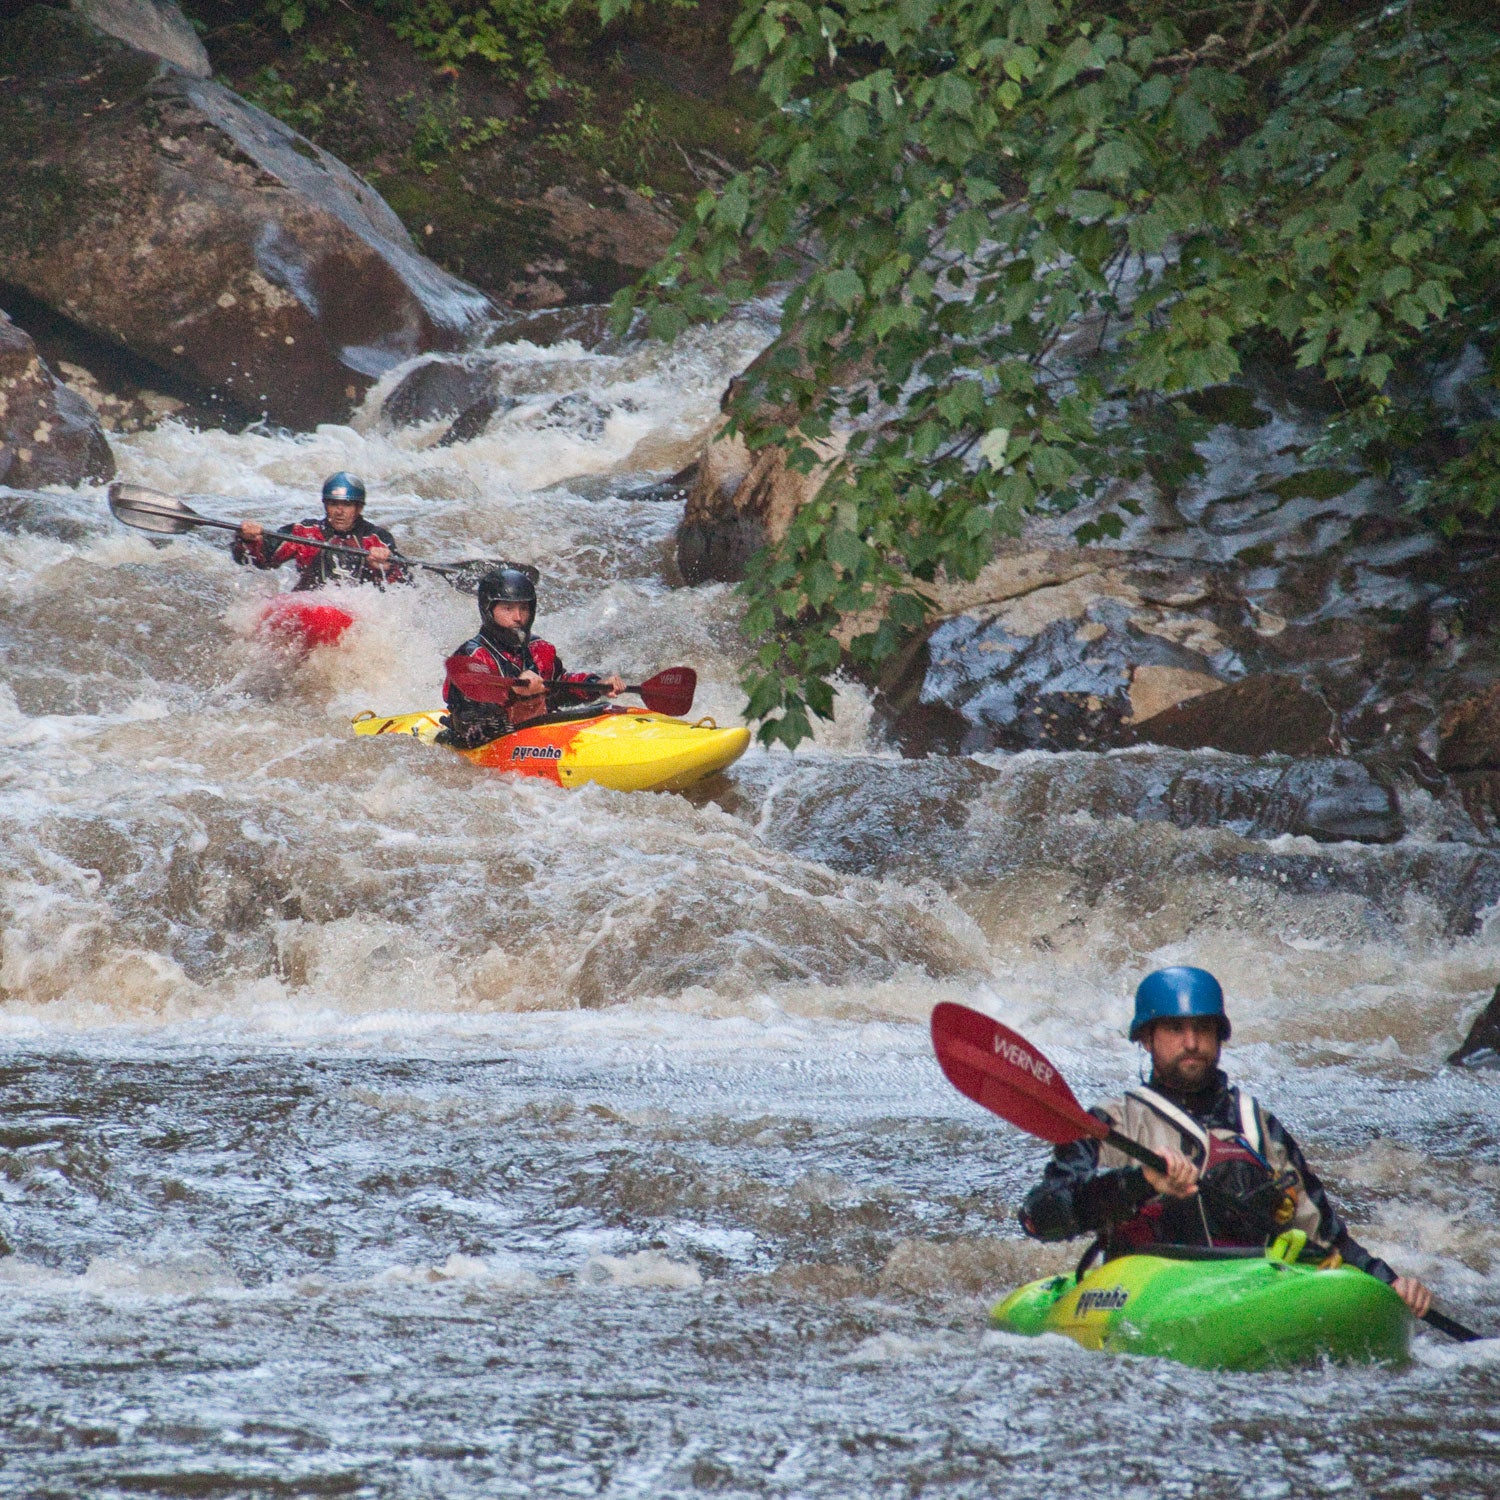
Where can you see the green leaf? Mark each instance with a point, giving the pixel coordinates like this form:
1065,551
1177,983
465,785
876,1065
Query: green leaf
843,287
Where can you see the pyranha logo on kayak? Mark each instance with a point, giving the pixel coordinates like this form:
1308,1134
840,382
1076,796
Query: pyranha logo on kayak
1027,1062
1111,1301
536,752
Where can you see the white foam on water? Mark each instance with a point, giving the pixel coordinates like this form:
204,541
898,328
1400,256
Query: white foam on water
645,1268
896,1348
485,1272
119,1280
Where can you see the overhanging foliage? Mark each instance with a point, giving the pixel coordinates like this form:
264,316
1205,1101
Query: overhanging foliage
1018,233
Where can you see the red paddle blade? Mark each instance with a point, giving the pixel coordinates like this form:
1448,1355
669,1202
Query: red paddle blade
670,692
1001,1070
475,680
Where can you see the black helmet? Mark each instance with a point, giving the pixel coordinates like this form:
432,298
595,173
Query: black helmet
345,487
507,586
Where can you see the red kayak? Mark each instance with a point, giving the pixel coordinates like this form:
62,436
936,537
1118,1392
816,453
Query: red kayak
303,620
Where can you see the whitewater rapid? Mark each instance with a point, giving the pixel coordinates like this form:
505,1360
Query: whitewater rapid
373,1125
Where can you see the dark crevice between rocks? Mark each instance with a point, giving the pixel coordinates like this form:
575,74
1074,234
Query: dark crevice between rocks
117,370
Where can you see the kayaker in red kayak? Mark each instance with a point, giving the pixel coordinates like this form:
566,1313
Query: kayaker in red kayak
505,644
1235,1175
371,548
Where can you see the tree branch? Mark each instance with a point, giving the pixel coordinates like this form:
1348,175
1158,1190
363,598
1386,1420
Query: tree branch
1252,25
1271,48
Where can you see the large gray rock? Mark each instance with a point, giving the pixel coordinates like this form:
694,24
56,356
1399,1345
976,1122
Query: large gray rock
155,26
163,213
48,435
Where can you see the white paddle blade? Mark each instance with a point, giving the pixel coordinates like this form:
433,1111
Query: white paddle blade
150,510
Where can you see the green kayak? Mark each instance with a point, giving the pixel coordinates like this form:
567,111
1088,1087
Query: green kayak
1219,1310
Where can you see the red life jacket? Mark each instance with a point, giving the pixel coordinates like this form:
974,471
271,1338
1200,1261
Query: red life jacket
315,567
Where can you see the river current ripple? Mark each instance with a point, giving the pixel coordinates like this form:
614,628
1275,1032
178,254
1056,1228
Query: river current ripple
370,1127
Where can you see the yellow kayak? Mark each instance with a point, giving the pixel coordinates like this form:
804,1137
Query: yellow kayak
625,749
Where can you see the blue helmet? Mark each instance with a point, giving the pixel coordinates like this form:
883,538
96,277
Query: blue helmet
345,487
1178,992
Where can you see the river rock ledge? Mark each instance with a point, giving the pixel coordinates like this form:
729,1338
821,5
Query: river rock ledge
162,214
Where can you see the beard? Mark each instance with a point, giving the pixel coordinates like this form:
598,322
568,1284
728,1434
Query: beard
1185,1075
506,636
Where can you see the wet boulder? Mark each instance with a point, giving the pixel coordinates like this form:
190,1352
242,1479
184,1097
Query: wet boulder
1469,732
738,503
435,389
1332,800
1469,750
1064,665
155,26
48,435
1263,714
1481,1047
161,213
461,391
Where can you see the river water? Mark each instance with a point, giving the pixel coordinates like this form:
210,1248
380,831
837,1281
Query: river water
372,1126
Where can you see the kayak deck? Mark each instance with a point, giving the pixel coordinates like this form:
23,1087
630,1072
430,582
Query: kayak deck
1234,1314
624,749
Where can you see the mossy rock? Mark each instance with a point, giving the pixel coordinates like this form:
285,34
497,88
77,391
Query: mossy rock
1315,484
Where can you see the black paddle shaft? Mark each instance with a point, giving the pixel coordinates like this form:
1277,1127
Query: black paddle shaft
1444,1324
130,503
1143,1154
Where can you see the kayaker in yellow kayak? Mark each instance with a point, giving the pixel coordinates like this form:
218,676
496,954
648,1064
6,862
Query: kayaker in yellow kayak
1235,1176
505,645
370,549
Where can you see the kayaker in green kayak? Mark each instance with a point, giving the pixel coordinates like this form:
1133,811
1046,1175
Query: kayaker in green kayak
1235,1176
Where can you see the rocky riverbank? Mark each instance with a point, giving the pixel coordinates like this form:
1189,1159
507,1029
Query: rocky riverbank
1272,606
258,224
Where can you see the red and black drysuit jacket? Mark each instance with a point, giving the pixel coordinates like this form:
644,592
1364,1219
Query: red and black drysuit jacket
470,723
316,567
1076,1196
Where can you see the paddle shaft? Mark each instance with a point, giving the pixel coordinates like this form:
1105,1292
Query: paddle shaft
1455,1330
669,692
307,541
1143,1154
144,502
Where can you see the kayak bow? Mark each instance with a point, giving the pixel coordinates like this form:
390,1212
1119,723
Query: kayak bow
302,619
